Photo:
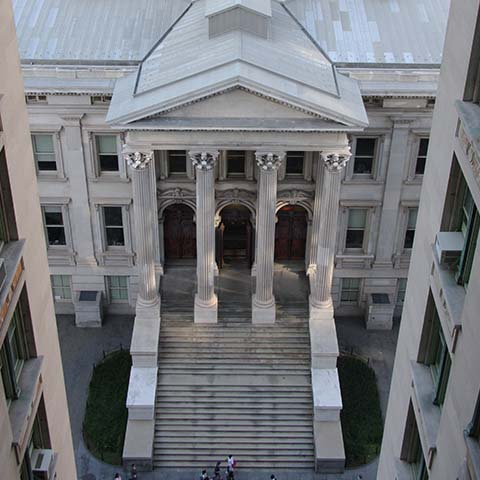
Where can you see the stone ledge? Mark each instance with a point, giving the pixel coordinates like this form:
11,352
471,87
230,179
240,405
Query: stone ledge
141,393
329,448
144,346
323,338
327,398
138,446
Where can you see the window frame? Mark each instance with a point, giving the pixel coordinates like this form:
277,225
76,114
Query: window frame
423,157
96,173
362,248
176,153
235,153
295,154
408,228
59,173
117,227
63,226
64,286
372,173
120,288
34,137
348,290
401,292
98,154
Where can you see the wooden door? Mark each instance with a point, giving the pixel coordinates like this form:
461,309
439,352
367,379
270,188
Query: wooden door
179,233
291,233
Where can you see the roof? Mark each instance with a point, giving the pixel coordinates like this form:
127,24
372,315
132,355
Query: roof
188,65
406,32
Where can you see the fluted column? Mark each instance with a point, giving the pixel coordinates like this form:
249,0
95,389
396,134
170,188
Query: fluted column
145,222
205,300
334,163
263,303
312,258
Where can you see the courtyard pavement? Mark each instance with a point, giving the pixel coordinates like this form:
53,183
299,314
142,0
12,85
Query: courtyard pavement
81,348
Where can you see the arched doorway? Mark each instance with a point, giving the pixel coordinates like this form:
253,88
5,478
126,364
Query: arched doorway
234,236
291,233
179,233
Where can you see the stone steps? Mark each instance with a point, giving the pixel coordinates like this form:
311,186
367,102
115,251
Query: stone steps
234,387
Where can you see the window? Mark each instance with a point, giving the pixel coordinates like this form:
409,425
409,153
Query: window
436,354
36,98
113,220
357,218
412,452
117,288
12,355
410,232
350,290
402,288
421,156
44,153
235,163
107,152
61,287
177,162
54,226
469,225
364,156
101,99
294,165
4,237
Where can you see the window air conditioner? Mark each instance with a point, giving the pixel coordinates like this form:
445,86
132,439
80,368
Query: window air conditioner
449,246
3,273
43,464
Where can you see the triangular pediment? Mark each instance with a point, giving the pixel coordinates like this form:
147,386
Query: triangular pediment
287,71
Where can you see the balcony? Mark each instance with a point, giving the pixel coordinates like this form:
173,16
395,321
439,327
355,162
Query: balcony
426,413
449,298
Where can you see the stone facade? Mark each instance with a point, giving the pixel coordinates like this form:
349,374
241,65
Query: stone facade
433,415
34,421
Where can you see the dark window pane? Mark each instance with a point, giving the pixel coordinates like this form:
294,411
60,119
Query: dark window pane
115,237
420,167
47,166
365,147
362,165
294,162
56,236
177,161
409,236
113,216
354,239
53,218
423,148
236,162
109,163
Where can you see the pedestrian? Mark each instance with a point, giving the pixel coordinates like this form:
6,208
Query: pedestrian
204,475
117,477
216,472
133,472
231,462
272,477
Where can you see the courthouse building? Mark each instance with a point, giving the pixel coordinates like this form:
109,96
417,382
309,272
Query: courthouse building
35,437
273,134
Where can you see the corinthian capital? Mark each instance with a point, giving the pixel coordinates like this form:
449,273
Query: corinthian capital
269,160
335,162
138,160
203,160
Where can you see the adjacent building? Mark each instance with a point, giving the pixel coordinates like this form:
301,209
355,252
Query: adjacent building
34,424
432,427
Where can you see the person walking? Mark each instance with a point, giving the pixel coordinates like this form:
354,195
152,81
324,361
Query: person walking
216,472
230,475
231,462
204,475
273,477
133,472
117,477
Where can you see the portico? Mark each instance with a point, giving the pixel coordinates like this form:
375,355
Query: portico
260,97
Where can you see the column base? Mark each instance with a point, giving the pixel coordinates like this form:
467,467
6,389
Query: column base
263,314
206,312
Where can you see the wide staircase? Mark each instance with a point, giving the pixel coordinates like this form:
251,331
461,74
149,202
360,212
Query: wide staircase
234,388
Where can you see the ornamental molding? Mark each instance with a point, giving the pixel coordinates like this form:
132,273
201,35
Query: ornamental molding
236,195
138,160
269,161
335,162
294,197
470,152
203,161
175,193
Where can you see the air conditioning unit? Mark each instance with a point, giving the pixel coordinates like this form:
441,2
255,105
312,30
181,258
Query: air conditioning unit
43,464
3,273
449,246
